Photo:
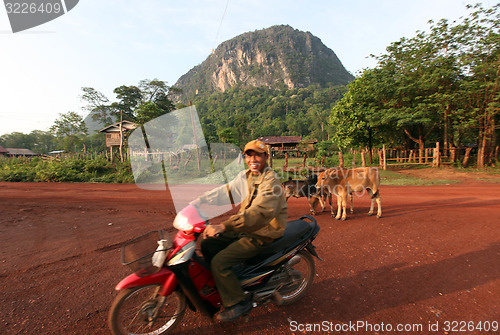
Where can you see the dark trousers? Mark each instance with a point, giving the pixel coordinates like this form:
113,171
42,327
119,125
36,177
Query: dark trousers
223,253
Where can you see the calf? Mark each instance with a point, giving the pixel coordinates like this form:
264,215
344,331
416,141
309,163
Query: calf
304,188
322,187
343,182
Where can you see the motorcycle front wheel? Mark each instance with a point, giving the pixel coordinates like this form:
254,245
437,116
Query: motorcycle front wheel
302,270
140,310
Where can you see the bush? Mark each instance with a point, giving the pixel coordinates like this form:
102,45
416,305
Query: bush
97,170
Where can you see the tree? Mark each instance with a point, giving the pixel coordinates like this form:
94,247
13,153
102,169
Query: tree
434,86
38,141
479,57
16,140
418,71
129,97
241,126
144,102
355,117
140,103
227,135
69,124
97,105
70,130
43,141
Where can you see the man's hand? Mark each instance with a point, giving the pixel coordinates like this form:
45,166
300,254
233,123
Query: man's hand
213,230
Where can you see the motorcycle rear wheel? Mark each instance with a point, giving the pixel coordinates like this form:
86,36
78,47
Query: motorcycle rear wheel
135,311
295,291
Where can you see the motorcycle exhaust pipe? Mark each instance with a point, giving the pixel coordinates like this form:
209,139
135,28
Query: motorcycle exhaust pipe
277,298
268,295
294,260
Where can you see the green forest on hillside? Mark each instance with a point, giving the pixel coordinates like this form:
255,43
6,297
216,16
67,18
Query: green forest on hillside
239,115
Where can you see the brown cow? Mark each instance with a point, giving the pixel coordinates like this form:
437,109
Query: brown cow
305,188
343,182
323,188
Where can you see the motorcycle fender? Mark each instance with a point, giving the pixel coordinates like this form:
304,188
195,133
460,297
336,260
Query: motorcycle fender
165,277
312,250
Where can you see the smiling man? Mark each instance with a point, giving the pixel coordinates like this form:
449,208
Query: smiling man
260,220
256,156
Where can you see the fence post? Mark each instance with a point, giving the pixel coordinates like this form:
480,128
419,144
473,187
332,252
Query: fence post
341,159
363,161
453,154
435,159
384,165
270,153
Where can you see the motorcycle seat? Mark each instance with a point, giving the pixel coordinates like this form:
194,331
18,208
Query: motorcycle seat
294,232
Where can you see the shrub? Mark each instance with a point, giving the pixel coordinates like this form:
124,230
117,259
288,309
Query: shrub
97,170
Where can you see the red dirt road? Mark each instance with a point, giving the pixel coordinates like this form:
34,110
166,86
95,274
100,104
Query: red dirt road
431,263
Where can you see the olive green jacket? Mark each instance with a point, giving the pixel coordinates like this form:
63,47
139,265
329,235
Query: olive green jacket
263,212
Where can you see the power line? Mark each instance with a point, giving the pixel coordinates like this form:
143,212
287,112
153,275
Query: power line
214,45
220,25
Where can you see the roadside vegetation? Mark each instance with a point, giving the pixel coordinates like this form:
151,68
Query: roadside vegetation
100,170
95,170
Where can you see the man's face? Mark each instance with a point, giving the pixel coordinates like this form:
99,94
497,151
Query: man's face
255,161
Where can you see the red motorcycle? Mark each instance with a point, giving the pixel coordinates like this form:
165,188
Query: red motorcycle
165,280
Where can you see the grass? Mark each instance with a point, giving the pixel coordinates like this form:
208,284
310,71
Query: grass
388,177
393,178
490,170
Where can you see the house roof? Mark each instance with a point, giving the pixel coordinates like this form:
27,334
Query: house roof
126,125
20,152
280,139
284,139
3,150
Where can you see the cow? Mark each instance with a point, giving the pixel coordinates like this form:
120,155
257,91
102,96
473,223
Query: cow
322,187
343,182
298,188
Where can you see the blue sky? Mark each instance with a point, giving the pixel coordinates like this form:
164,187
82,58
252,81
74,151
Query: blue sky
106,44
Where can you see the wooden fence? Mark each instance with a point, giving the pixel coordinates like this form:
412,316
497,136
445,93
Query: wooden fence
434,157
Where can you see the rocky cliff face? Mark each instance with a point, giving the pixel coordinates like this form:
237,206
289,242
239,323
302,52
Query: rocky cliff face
276,57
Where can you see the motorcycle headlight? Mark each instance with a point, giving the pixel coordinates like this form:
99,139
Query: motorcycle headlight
181,222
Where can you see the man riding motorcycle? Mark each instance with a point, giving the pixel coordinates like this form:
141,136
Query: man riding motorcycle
261,219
